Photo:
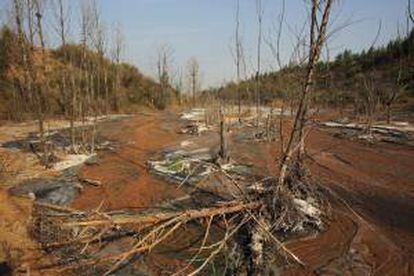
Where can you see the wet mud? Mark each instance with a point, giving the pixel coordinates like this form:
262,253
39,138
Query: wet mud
370,187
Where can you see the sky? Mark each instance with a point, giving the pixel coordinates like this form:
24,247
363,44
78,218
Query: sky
205,29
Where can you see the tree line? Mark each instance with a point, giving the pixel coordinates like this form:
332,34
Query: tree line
76,78
379,76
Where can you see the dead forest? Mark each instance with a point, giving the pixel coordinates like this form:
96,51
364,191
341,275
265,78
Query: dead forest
307,168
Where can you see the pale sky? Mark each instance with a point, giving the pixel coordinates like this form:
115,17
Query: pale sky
205,29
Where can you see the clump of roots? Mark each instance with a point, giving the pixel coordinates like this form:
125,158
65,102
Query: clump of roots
254,224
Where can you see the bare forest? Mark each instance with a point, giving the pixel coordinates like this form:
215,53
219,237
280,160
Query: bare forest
300,163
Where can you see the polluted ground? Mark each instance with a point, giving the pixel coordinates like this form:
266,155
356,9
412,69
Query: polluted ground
157,198
300,165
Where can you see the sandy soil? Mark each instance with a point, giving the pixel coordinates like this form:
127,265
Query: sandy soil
371,230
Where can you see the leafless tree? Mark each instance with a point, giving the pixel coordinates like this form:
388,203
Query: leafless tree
163,73
30,13
68,81
320,12
89,38
393,92
369,93
61,9
223,154
194,78
118,47
40,101
24,82
178,85
370,98
410,11
275,36
275,49
33,81
259,11
238,57
99,73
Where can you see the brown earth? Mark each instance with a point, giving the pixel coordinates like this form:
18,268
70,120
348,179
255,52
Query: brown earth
371,190
127,183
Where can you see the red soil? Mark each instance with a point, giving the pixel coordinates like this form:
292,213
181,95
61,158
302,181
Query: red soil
126,182
371,230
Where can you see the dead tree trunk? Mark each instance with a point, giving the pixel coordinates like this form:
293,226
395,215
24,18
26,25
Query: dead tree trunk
223,154
238,58
316,42
41,101
259,49
24,86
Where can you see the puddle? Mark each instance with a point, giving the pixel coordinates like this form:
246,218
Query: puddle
183,166
59,191
5,269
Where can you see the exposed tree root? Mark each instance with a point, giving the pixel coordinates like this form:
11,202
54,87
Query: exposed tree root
260,219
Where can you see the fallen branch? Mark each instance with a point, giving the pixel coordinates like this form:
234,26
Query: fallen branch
92,182
157,218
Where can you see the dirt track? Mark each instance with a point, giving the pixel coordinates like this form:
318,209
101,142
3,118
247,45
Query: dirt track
371,190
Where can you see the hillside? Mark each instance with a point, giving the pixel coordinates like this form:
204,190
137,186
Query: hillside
116,87
387,71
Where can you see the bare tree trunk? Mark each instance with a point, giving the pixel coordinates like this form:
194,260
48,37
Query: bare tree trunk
73,115
259,49
238,58
388,114
223,154
193,72
29,5
282,111
62,24
106,91
116,90
314,54
40,92
71,84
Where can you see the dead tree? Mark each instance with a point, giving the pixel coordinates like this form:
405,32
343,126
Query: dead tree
278,30
91,36
33,73
275,49
368,94
317,39
40,99
398,85
163,74
258,211
238,58
393,93
116,58
61,21
24,82
100,91
30,9
179,86
223,154
67,78
369,98
83,90
194,78
259,12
